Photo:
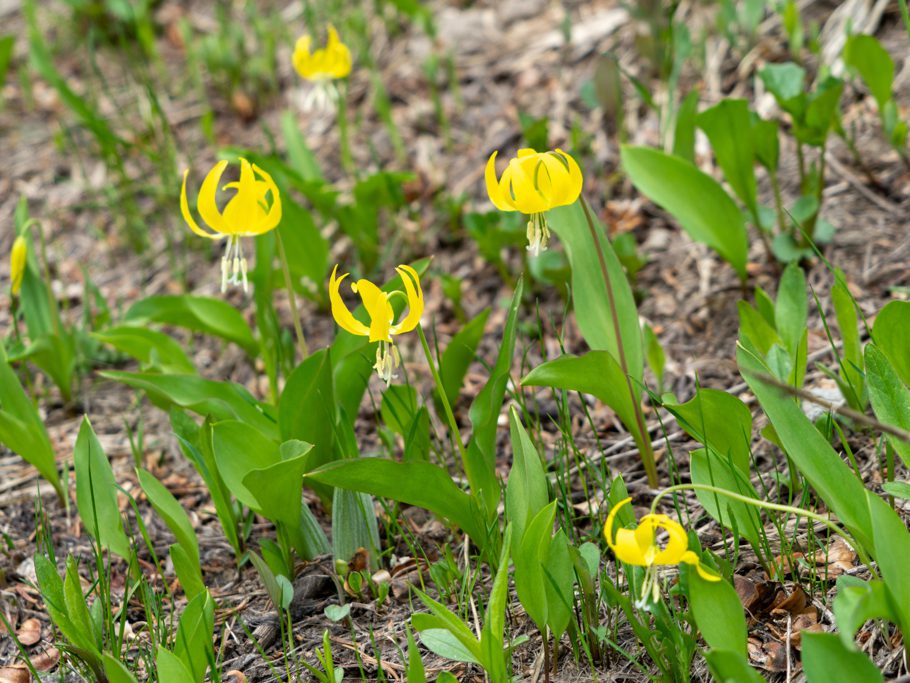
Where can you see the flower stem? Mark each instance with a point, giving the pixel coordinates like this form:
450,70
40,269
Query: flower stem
292,297
645,450
843,533
447,408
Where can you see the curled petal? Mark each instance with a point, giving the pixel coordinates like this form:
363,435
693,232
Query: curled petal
273,217
244,212
625,544
340,312
691,558
208,208
188,216
378,308
677,542
528,198
415,299
339,64
17,260
575,181
498,195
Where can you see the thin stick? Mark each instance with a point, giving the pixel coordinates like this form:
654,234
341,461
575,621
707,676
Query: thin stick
292,297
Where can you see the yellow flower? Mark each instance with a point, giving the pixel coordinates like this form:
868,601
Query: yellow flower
17,264
382,317
248,213
534,183
640,548
321,67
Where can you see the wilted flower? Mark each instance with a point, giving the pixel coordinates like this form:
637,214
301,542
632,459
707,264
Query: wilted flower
382,317
534,183
248,213
17,258
321,67
640,548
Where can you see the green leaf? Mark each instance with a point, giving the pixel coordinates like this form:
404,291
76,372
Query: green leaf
195,631
54,595
307,410
874,65
889,396
415,671
526,490
306,249
151,348
684,134
301,157
7,43
398,408
116,670
898,489
529,573
171,668
833,480
354,526
826,659
889,333
892,548
654,354
596,373
670,182
718,613
729,129
221,400
96,493
851,368
765,142
785,82
791,310
196,313
720,421
591,295
858,601
443,618
22,429
459,354
415,483
439,640
731,667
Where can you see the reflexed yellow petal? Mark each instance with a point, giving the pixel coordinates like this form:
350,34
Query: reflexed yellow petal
378,308
561,186
17,260
243,212
691,558
644,540
527,198
415,300
494,188
340,62
340,311
188,217
575,180
273,217
301,58
624,545
208,208
677,541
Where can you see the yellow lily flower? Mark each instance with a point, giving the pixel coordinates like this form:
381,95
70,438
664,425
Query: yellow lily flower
382,317
248,213
534,183
17,264
640,548
321,67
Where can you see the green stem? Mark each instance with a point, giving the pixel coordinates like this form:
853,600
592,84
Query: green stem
447,408
292,297
778,202
646,452
778,507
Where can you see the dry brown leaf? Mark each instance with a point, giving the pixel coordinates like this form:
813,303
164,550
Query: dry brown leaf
47,660
29,632
234,676
14,674
836,559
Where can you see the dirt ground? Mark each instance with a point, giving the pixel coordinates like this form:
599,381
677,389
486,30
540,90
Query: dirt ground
509,57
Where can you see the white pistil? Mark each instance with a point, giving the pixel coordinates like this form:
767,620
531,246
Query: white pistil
234,265
538,234
387,361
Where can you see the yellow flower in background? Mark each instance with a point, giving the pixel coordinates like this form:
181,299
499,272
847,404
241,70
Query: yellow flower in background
382,317
321,67
534,183
640,548
17,259
248,213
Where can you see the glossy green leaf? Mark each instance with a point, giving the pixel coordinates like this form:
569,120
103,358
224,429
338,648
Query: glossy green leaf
171,668
791,310
526,490
892,548
766,142
671,182
873,63
858,601
193,644
354,526
851,366
197,313
889,396
415,483
890,335
825,659
116,670
151,348
718,613
786,82
731,667
96,493
398,408
459,354
720,421
729,129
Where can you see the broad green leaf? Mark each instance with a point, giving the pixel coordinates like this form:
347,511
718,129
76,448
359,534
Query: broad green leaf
398,408
151,348
765,141
96,493
731,667
826,659
54,354
307,411
301,157
196,313
415,671
589,254
832,479
718,613
821,113
116,670
440,641
785,82
684,133
526,490
455,360
195,631
306,249
892,548
851,369
890,335
446,619
77,610
670,182
874,65
654,354
791,311
221,400
354,526
596,373
480,465
559,582
898,489
415,483
720,421
858,601
7,42
530,581
889,396
171,668
754,328
22,429
79,635
492,636
729,129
